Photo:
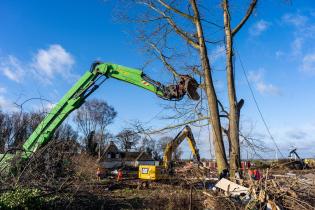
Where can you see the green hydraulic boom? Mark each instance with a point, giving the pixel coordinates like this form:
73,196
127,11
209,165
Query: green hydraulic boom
86,85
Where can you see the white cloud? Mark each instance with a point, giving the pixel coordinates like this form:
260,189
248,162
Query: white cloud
6,105
308,64
217,53
49,106
279,53
304,31
257,77
2,90
12,68
259,27
264,88
297,46
52,61
299,136
46,64
44,106
296,20
296,134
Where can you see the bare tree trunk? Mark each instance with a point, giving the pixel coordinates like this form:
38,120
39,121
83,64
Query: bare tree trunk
233,136
211,94
235,107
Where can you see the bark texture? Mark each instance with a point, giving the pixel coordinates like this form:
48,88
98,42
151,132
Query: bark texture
211,94
235,107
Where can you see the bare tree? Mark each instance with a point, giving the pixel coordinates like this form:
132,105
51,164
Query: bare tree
16,127
150,146
234,105
94,116
127,139
173,35
90,144
20,128
3,131
66,133
179,33
36,117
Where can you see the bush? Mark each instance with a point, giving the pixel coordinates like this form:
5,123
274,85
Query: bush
23,198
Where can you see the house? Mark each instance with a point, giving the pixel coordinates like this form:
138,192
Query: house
114,158
111,157
138,158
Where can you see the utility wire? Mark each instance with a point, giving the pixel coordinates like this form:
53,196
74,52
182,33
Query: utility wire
256,103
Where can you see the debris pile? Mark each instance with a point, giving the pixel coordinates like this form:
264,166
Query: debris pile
272,191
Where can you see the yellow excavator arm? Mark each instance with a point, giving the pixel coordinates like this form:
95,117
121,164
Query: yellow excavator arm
152,172
172,146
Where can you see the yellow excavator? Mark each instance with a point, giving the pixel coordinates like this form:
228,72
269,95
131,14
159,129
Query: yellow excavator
152,172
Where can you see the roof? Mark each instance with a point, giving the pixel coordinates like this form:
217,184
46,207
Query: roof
127,156
134,156
111,147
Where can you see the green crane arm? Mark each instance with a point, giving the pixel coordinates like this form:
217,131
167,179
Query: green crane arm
172,146
88,83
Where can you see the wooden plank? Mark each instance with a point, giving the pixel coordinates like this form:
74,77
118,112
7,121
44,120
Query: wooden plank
231,187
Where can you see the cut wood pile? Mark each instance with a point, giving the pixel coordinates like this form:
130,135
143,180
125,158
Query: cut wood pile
272,191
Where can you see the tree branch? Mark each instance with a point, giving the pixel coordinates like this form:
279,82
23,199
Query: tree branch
217,25
245,18
175,10
179,125
240,105
179,31
163,59
223,110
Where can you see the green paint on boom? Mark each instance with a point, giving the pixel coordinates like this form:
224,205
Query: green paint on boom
84,87
76,96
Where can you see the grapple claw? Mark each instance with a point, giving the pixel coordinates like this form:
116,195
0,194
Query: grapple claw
191,86
187,85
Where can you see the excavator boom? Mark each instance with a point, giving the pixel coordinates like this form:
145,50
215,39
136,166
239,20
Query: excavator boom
172,146
87,84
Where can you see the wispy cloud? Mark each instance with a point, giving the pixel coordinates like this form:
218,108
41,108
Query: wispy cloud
44,106
12,68
7,105
296,134
308,64
296,20
303,30
257,77
296,46
259,27
279,53
217,53
301,137
2,90
55,60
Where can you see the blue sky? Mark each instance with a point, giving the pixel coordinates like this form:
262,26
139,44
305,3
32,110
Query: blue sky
46,45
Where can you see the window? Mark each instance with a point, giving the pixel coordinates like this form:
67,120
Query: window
145,170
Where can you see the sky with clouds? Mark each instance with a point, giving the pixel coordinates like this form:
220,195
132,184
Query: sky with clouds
46,45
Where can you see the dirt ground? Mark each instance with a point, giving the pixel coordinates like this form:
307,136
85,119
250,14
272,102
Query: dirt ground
288,189
110,194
